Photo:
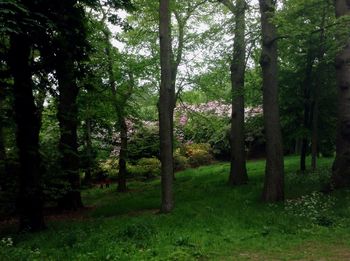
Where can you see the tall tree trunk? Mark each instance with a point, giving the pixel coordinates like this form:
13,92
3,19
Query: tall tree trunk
123,154
315,96
238,171
119,110
274,173
88,140
314,135
306,123
30,201
68,121
2,138
165,101
341,165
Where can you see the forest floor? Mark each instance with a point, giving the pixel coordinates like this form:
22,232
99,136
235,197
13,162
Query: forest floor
211,221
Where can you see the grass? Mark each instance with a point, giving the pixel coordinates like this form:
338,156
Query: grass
211,221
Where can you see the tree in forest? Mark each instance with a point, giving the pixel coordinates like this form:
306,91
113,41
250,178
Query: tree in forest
165,114
70,49
238,172
274,173
22,26
307,78
341,165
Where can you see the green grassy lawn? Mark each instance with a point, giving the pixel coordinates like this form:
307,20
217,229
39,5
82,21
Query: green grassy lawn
211,221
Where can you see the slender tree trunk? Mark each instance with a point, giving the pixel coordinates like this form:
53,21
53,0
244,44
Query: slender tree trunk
123,154
315,94
41,96
165,101
314,135
238,171
88,140
341,165
274,175
68,121
306,124
2,138
119,110
30,201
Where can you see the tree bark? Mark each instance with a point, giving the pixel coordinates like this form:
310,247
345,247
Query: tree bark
123,154
341,165
238,172
68,121
165,112
2,138
30,200
120,114
274,173
307,111
314,135
88,140
315,96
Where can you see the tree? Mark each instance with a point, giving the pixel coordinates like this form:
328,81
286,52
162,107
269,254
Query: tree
22,26
165,113
238,172
306,77
28,127
274,173
341,165
70,49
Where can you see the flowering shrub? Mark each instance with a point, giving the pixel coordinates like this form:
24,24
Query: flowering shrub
316,207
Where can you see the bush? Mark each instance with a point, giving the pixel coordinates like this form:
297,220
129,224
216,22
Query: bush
180,162
198,154
145,167
110,166
144,143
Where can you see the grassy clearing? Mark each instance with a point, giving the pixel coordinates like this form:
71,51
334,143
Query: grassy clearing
211,221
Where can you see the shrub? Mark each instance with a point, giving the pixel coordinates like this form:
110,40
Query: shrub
110,166
145,167
198,154
144,143
180,162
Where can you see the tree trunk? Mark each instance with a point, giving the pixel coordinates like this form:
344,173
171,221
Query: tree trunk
165,101
315,93
88,174
123,154
67,116
30,201
306,123
314,135
274,173
238,171
2,138
119,110
341,165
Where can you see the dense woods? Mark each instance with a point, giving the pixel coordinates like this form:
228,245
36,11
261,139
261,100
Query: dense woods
106,93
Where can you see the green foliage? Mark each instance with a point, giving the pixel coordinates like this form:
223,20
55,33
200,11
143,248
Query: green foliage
145,167
110,166
144,143
180,161
140,232
198,154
